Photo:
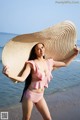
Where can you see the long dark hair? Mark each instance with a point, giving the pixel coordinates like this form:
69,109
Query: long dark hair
32,56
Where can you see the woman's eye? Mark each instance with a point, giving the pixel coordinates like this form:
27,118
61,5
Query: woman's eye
42,47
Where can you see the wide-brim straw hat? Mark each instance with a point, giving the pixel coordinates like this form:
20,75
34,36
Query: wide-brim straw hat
59,41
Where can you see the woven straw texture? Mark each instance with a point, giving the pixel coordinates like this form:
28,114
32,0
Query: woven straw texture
59,41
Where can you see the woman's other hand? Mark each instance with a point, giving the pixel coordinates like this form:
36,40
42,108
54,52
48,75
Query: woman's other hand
76,50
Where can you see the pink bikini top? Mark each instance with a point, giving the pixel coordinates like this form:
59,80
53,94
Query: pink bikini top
39,79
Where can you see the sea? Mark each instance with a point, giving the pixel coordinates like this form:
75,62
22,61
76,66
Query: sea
63,78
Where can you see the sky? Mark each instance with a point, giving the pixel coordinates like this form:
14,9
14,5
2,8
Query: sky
27,16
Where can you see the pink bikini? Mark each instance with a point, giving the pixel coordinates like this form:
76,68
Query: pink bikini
39,80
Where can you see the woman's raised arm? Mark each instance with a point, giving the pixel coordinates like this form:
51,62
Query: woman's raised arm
21,78
66,61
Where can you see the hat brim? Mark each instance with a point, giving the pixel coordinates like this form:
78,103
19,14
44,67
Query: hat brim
59,41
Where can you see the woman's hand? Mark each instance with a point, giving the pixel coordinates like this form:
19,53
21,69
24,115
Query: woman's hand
26,72
76,50
68,60
5,71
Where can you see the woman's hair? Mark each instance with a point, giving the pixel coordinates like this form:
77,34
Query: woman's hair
32,56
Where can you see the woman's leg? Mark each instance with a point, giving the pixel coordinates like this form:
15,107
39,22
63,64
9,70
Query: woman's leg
27,106
43,109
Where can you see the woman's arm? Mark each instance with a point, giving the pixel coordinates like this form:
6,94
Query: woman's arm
67,61
18,78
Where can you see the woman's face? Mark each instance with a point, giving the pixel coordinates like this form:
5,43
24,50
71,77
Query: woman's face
40,50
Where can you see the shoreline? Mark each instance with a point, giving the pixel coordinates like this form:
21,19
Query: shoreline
63,105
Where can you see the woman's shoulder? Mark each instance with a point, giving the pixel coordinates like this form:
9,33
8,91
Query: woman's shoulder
31,62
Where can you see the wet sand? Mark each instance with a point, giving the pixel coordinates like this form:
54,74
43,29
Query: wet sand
64,105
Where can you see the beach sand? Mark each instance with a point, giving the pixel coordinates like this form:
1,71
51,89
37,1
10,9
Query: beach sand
64,105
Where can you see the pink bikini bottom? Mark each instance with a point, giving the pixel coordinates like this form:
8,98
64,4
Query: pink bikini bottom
35,97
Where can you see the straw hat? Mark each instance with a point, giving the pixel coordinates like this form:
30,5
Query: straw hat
59,41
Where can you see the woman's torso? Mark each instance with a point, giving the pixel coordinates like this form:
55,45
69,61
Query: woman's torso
41,74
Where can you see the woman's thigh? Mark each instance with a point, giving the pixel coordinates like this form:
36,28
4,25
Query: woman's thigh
43,109
27,106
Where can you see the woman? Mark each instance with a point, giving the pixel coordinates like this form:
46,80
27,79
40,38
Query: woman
37,75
